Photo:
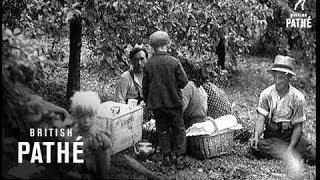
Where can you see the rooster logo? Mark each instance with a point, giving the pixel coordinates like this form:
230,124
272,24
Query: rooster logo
299,2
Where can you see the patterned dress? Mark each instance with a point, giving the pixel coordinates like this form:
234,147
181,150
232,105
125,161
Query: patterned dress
218,103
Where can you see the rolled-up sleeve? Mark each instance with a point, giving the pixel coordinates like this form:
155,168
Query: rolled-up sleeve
300,113
263,106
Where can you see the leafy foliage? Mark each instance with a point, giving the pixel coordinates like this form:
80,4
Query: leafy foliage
12,10
17,68
194,27
112,26
22,109
17,64
279,39
45,17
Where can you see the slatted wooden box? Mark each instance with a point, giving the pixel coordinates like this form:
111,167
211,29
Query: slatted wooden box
125,127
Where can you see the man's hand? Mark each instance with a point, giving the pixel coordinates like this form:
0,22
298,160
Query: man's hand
142,104
296,134
258,130
104,140
254,142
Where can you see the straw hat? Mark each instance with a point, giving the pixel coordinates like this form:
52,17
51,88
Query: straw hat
283,64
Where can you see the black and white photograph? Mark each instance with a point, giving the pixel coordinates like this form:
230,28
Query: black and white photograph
159,89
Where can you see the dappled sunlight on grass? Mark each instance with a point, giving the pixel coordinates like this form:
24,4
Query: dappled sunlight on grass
243,91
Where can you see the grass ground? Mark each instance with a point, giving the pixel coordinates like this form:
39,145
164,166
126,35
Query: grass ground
243,91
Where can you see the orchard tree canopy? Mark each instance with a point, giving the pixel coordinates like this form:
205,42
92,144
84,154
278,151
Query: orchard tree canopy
36,37
110,26
194,26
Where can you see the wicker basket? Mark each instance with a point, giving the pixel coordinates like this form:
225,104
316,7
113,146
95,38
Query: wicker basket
207,146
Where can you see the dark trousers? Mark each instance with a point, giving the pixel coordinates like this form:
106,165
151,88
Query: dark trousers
275,147
171,130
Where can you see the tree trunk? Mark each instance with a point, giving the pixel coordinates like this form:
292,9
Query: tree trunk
74,58
221,52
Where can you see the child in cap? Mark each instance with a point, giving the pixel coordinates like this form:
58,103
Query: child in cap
163,77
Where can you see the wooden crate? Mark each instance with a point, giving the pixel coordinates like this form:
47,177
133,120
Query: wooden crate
125,127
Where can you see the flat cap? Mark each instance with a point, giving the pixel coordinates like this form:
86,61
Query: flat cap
159,38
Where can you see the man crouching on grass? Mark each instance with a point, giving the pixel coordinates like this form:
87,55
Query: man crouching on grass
282,110
96,149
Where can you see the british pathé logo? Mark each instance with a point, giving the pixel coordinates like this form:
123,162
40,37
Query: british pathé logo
299,20
62,148
301,3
